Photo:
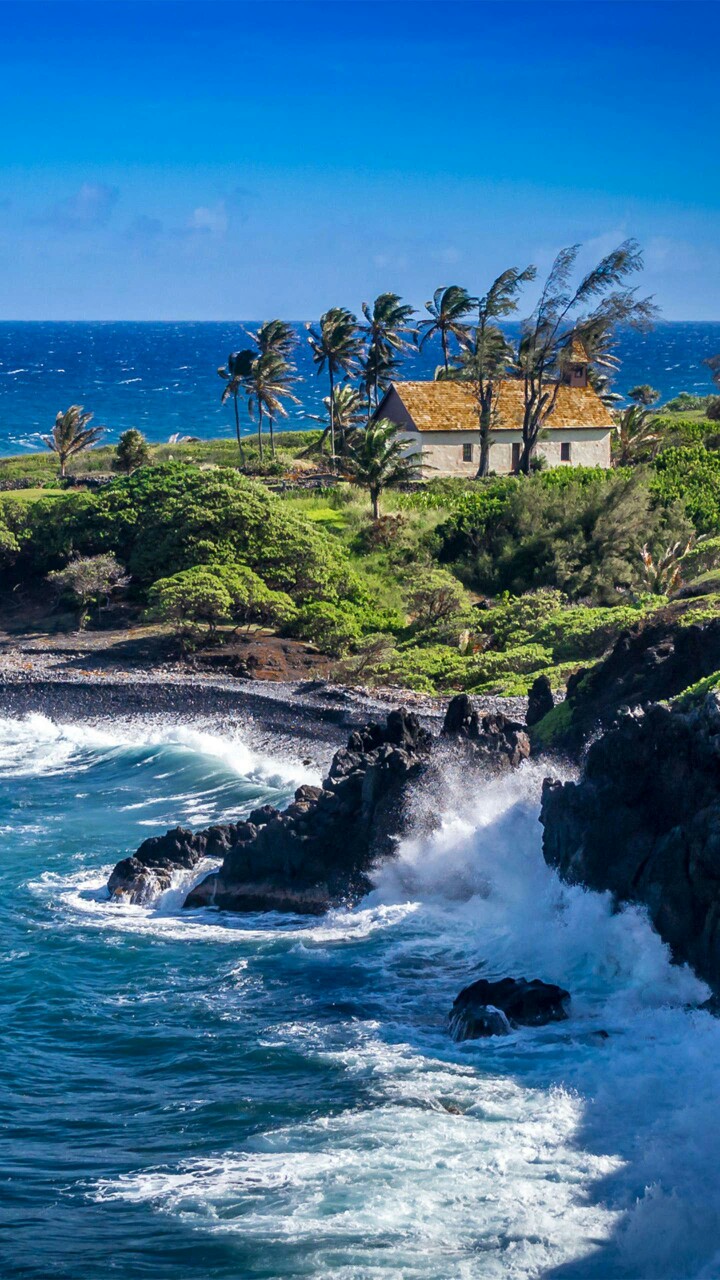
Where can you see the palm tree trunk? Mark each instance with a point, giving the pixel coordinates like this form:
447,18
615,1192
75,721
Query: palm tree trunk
237,427
260,440
332,414
443,336
485,442
375,499
272,436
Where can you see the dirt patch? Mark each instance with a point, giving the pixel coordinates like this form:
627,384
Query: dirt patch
260,656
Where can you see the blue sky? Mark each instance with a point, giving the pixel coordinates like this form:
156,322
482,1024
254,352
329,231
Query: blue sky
225,160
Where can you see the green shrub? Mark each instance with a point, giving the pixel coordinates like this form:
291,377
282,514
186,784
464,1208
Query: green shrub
333,628
685,402
251,599
435,597
53,529
570,632
488,671
162,520
582,535
426,670
215,594
190,598
89,580
132,451
690,477
674,430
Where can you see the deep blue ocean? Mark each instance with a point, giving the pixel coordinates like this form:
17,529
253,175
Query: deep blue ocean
162,377
196,1096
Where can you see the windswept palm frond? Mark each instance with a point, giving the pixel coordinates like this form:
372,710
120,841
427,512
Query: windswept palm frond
336,344
349,413
274,337
269,386
635,435
388,332
559,320
72,434
487,355
377,460
235,375
449,309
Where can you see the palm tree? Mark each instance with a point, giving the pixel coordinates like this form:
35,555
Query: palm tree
385,330
268,385
235,375
560,320
71,434
634,434
376,461
486,358
336,344
449,307
275,337
348,413
644,395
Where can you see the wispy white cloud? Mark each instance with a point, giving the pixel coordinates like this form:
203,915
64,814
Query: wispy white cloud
210,219
90,207
391,261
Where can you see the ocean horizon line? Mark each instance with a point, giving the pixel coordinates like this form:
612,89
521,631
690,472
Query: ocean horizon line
665,320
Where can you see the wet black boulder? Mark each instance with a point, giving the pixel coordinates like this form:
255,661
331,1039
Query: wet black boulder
495,1008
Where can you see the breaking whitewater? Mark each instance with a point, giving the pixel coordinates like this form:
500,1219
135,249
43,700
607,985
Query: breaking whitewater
193,1095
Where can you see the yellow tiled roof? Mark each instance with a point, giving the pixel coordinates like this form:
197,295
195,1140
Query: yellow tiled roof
450,406
577,353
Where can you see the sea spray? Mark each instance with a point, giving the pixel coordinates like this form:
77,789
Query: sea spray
214,1095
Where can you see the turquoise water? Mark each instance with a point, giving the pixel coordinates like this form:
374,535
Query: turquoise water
196,1096
161,377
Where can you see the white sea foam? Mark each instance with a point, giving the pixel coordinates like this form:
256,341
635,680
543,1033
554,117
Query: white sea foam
35,744
583,1149
408,1190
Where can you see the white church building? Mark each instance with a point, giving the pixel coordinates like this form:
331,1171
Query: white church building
439,420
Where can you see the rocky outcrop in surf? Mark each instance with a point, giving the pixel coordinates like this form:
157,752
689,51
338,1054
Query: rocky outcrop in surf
318,851
644,822
492,739
312,855
497,1008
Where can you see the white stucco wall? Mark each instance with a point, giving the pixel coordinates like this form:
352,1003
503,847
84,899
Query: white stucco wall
442,451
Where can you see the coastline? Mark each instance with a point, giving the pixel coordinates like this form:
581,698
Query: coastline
275,713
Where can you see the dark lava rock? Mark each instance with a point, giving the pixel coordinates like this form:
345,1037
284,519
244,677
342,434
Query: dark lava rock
644,822
540,700
650,663
495,741
315,853
140,878
495,1008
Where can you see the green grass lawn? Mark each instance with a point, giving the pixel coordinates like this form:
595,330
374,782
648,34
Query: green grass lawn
30,495
43,467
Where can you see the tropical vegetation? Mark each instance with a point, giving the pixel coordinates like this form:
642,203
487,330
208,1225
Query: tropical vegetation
450,584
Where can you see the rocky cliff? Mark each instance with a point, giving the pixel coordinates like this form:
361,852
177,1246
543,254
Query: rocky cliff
644,822
651,663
